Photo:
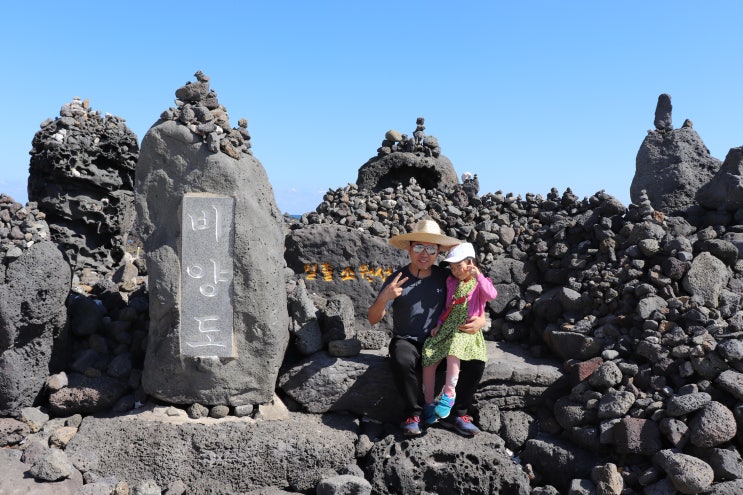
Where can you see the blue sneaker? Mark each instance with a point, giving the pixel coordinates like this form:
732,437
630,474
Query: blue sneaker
443,406
463,425
410,427
429,414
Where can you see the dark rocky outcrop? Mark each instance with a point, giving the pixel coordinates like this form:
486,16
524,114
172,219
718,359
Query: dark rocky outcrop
725,190
672,165
360,384
81,175
33,318
441,462
337,259
390,170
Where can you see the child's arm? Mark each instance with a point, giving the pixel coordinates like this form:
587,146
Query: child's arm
488,292
484,292
435,330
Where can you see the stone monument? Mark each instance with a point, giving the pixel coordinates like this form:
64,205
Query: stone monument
213,238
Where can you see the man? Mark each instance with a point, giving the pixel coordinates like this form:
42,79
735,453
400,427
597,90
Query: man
416,293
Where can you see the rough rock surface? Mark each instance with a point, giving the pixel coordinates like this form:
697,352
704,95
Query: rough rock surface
440,462
363,385
725,190
192,149
402,158
81,175
33,324
233,455
340,260
16,479
381,172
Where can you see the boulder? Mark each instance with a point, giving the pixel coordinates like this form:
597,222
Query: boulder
333,260
724,191
34,338
442,462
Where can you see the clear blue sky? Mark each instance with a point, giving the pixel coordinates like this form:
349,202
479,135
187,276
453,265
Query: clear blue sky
529,95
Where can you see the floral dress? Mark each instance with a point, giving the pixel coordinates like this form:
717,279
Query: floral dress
449,340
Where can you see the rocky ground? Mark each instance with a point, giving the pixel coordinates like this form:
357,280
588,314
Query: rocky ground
615,351
639,313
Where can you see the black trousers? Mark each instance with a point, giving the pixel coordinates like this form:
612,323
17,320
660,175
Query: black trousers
405,356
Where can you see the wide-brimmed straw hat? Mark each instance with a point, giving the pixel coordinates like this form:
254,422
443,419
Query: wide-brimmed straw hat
425,230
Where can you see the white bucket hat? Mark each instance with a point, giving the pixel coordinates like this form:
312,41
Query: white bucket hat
425,230
461,252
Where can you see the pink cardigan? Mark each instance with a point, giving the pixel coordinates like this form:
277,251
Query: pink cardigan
483,292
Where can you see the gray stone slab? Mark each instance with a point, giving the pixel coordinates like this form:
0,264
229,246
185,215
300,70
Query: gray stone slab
206,275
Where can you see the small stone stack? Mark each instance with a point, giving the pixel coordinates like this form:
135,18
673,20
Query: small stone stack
402,158
20,228
199,109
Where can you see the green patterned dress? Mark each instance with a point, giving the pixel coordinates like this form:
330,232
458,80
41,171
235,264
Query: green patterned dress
449,340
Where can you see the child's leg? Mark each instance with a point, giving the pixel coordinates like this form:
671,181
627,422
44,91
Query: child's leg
446,401
429,382
452,375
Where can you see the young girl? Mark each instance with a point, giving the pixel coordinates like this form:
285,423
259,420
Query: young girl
467,291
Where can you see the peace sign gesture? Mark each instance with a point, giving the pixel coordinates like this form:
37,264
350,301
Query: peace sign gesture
393,289
390,292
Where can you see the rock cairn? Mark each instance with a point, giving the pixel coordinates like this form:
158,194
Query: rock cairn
34,283
199,109
395,142
81,174
401,158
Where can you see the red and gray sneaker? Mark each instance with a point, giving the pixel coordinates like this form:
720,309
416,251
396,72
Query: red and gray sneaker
411,426
462,424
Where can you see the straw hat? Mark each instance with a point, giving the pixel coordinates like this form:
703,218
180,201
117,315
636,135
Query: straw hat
424,231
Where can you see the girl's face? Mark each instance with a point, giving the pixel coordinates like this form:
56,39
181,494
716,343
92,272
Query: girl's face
463,269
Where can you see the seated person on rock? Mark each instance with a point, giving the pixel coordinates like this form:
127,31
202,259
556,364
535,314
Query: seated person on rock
416,294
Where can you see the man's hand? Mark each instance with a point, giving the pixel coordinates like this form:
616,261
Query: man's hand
473,325
378,309
393,290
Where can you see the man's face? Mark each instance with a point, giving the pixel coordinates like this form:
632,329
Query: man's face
423,254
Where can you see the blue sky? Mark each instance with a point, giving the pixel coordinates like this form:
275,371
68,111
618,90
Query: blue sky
529,95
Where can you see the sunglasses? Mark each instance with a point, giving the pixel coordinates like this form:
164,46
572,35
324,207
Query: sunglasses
418,248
